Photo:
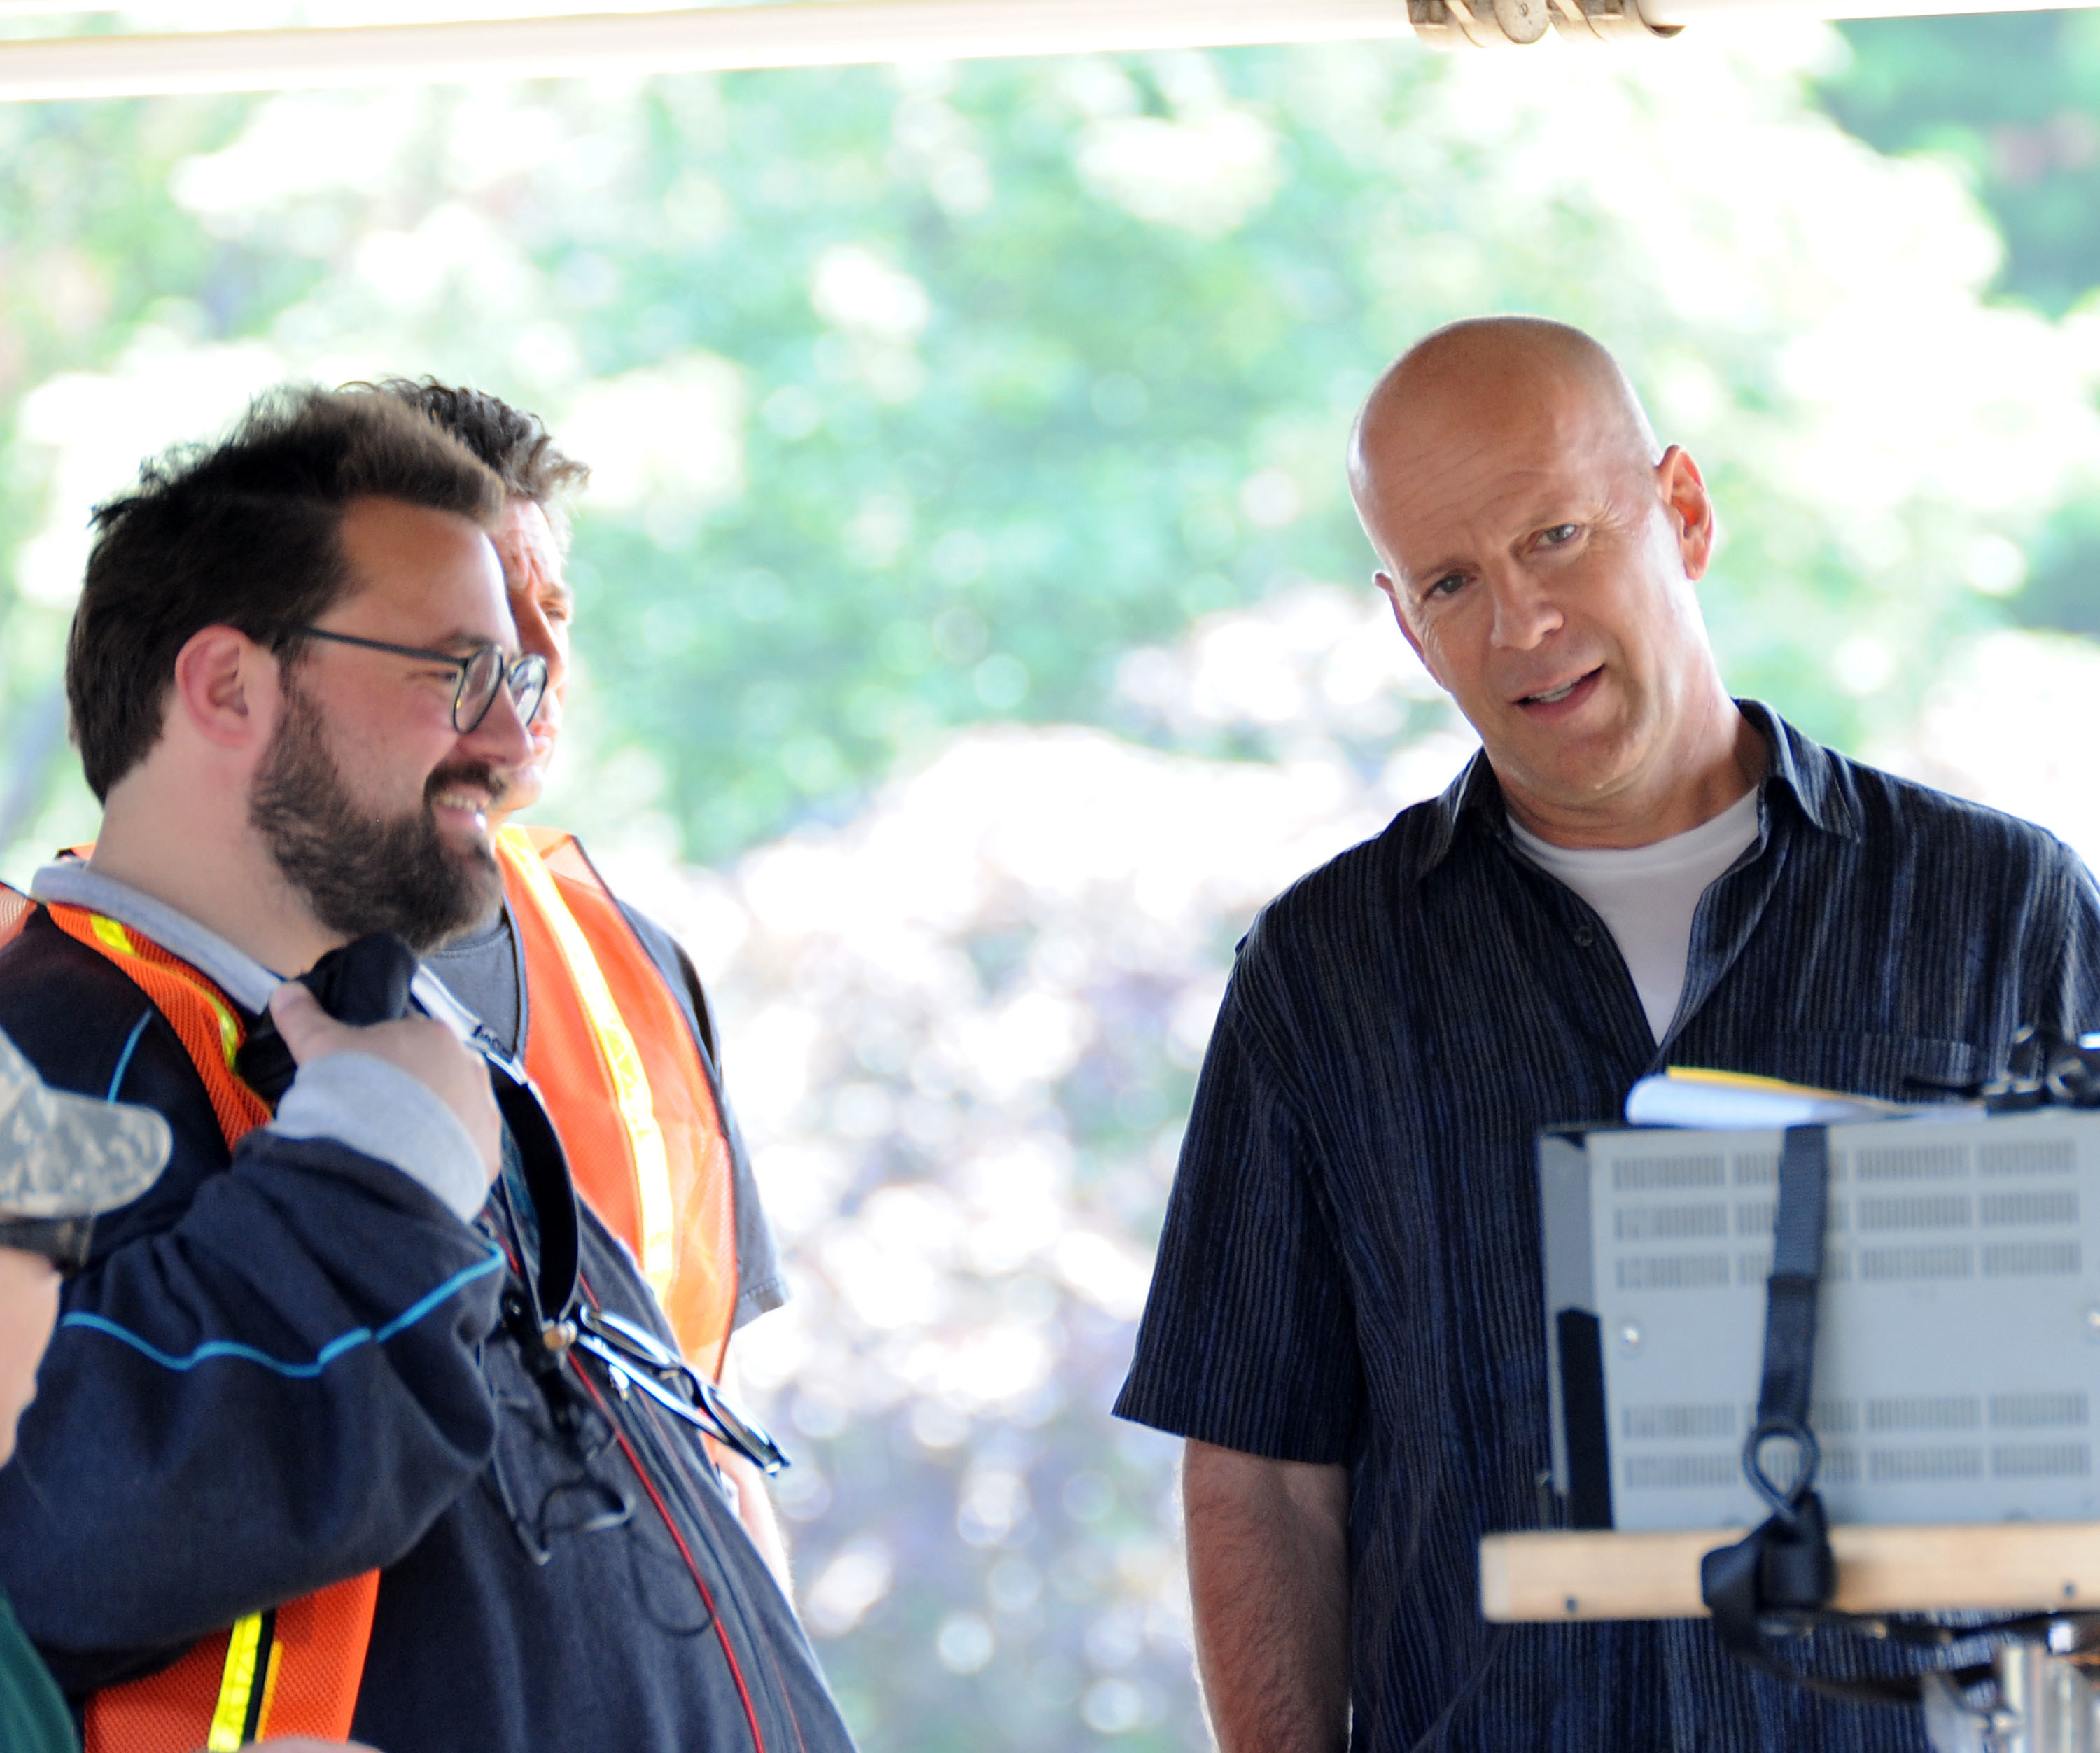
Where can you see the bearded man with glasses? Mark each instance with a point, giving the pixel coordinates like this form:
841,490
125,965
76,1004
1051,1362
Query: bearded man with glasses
357,1422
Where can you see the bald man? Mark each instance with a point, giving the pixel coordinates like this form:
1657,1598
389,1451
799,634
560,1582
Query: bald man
1636,871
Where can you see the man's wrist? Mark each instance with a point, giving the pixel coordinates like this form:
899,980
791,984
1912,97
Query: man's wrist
381,1111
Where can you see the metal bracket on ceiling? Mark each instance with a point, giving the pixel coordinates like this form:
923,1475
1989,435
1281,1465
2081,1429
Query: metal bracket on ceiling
1500,24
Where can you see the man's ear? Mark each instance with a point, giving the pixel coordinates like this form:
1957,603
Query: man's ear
226,689
1684,490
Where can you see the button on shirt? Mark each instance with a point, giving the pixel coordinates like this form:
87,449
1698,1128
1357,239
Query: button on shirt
1646,895
1349,1272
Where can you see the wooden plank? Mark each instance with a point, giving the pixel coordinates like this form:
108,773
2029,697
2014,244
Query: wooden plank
2003,1566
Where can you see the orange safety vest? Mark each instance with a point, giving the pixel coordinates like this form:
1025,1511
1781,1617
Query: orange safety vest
294,1671
609,1051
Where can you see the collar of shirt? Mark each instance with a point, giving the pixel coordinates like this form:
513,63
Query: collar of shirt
245,980
1796,768
70,882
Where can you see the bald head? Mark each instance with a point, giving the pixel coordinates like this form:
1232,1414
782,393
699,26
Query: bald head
1540,549
1493,372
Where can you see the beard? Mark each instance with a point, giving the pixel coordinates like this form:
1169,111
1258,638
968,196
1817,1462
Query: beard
361,873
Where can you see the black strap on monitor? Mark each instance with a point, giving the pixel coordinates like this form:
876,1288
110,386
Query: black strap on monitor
1784,1566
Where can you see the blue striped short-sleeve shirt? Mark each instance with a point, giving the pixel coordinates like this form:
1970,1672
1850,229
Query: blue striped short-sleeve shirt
1350,1272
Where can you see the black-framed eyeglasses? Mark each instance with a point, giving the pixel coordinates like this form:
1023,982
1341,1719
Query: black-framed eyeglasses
481,674
63,1241
633,1355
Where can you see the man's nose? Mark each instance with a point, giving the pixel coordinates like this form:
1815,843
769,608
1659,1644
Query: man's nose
1524,611
501,739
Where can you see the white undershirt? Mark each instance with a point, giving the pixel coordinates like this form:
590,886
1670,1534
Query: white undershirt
1648,894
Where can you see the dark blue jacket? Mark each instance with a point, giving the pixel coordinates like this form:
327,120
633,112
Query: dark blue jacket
294,1365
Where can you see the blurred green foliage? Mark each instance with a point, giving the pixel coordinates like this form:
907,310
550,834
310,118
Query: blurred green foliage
1015,366
976,517
89,244
2014,97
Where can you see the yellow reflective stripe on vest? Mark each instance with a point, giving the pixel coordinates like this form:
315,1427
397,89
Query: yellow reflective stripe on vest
245,1654
113,933
623,1059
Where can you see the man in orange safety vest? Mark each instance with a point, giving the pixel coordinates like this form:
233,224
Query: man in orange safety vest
689,1211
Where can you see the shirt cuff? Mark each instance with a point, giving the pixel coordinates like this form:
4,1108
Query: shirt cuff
380,1110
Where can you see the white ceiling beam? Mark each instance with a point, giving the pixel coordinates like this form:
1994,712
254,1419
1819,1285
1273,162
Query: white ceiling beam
824,33
812,33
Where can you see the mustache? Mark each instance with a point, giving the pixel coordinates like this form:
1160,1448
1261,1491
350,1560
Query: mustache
475,773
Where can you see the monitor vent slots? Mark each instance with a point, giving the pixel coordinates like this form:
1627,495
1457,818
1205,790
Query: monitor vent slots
1946,1210
1670,1223
1678,1423
1933,1412
2029,1156
1658,1173
1673,1272
1682,1472
1882,1265
2038,1411
1919,1466
2003,1210
2042,1460
2033,1259
1913,1162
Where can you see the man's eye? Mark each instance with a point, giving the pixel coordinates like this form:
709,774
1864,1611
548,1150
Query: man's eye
1560,533
1448,585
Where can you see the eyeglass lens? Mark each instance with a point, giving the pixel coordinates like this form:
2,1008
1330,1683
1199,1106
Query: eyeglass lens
485,673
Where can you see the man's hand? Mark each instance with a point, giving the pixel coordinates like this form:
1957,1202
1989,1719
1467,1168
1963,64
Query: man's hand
421,1046
1269,1574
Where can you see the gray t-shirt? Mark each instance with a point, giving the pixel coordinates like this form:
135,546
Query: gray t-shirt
486,972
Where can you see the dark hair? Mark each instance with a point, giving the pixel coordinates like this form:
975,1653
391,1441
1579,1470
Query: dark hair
246,533
512,442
